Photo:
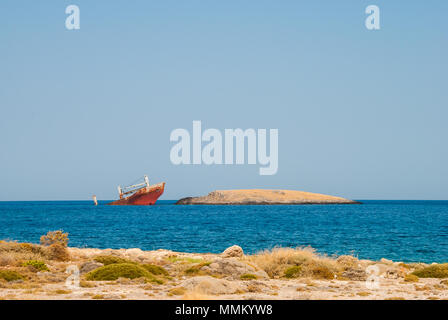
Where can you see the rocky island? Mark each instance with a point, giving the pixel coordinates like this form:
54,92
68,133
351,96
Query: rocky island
261,196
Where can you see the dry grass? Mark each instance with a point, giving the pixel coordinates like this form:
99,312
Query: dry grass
110,259
19,254
433,271
177,291
293,272
248,276
347,262
10,275
54,237
61,291
87,284
254,288
422,288
196,269
280,262
58,252
14,254
411,278
274,262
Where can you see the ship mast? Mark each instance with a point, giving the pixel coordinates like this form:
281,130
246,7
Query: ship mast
133,188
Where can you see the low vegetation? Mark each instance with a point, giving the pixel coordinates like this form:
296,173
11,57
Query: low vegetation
10,275
291,263
107,260
13,253
36,264
155,270
293,272
177,291
175,259
87,284
62,291
320,271
54,237
411,278
433,271
117,270
121,270
248,276
58,252
196,269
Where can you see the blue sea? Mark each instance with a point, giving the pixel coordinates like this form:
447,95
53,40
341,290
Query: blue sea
408,231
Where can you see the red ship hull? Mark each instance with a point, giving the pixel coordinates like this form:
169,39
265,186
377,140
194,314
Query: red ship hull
143,197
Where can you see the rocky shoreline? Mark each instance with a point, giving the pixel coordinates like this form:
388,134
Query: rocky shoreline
263,197
281,273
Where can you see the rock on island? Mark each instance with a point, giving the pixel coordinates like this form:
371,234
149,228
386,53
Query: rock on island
261,196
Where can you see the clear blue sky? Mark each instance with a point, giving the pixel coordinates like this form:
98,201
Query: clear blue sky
361,114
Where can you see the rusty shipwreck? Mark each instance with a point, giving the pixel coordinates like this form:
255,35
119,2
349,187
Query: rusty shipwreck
139,194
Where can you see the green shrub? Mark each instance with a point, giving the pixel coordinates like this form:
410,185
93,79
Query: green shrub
156,270
107,260
10,275
293,272
433,271
120,270
194,270
54,237
248,276
37,264
411,278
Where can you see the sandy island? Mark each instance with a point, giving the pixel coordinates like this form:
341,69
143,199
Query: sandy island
260,196
31,271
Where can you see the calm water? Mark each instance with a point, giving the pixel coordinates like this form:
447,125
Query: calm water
398,230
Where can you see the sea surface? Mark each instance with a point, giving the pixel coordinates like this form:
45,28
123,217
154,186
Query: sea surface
409,231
